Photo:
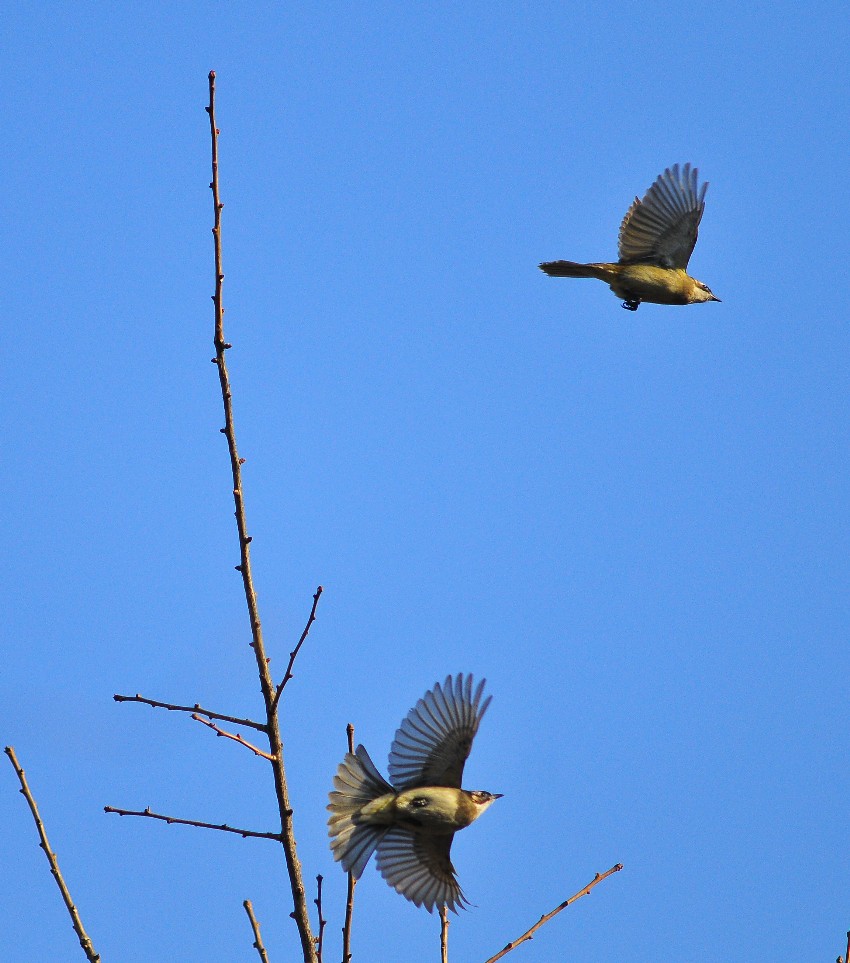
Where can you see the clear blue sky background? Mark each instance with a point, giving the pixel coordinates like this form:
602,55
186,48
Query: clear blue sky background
635,526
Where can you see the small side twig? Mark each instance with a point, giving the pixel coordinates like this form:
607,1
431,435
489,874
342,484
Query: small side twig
548,916
444,934
195,708
221,827
352,882
235,737
76,922
293,655
322,921
255,926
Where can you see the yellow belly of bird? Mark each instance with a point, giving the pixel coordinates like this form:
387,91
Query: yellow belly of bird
647,282
433,810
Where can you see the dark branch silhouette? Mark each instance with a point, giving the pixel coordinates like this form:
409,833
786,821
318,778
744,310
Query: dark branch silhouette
352,882
287,833
255,926
195,708
528,934
221,827
322,921
236,737
444,934
76,922
293,655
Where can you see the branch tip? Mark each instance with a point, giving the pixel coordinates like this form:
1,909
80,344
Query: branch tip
286,836
529,934
76,922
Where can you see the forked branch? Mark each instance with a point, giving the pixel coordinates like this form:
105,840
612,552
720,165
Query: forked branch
236,737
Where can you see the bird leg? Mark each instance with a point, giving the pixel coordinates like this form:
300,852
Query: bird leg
631,305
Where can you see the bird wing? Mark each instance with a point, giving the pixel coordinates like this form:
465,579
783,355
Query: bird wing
419,867
662,228
433,742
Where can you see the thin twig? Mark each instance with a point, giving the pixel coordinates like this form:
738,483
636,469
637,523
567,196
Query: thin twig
229,735
287,834
322,920
444,934
76,922
221,827
195,708
545,919
352,882
293,655
847,951
255,926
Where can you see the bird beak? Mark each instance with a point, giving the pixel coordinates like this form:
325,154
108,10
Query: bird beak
713,298
498,795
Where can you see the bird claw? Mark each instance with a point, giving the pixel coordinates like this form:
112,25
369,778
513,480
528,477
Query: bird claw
630,305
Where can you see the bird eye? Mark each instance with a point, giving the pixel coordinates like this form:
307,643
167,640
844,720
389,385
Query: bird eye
419,803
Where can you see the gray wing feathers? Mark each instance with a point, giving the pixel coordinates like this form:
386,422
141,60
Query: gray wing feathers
434,740
419,868
662,228
357,846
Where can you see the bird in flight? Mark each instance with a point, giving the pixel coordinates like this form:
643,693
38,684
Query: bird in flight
411,821
657,238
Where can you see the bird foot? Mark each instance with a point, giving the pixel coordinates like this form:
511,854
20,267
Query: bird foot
631,305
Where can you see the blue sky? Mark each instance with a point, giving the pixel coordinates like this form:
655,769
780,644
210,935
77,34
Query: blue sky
635,526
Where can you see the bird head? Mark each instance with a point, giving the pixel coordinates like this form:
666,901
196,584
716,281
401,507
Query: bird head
483,800
702,292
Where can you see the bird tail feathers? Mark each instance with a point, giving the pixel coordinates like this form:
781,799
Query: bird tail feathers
354,832
571,269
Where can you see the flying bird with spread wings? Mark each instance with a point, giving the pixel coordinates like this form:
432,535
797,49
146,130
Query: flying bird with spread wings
657,238
411,821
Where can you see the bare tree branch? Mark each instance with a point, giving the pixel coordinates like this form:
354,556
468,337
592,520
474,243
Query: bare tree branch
293,655
287,834
255,926
322,920
235,737
261,726
444,934
221,827
529,934
76,922
352,882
